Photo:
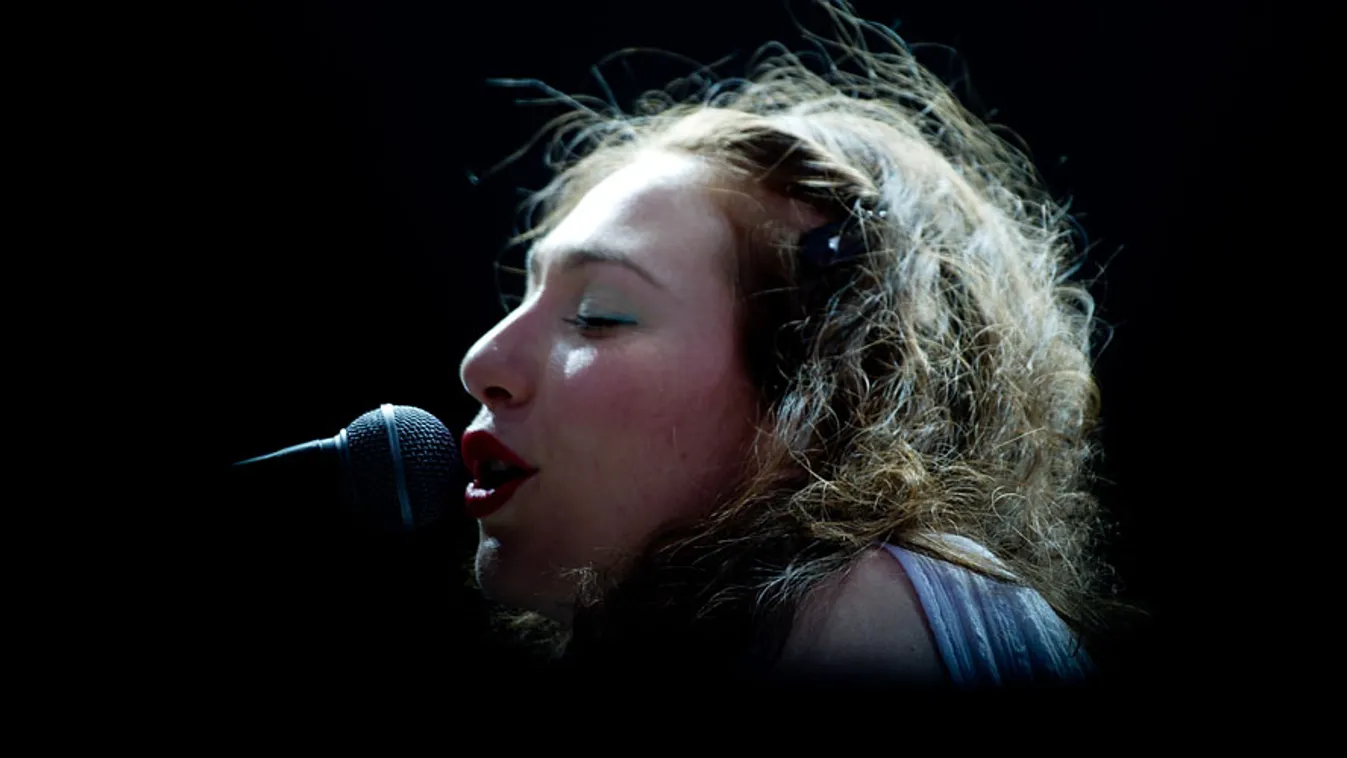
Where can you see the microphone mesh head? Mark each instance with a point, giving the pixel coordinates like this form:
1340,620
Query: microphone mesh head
429,462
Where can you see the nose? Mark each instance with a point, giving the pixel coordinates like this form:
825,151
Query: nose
495,369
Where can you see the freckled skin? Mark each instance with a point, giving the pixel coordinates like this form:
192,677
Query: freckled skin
638,425
633,426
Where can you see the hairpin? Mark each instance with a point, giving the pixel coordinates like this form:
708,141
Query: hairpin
836,242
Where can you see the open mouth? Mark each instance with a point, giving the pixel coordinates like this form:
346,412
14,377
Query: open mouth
493,474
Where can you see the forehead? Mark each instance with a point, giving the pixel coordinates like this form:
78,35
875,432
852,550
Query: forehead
664,211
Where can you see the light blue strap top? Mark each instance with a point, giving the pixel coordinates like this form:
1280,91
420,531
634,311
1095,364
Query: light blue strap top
991,633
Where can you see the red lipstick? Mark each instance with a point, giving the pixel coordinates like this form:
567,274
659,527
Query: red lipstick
497,471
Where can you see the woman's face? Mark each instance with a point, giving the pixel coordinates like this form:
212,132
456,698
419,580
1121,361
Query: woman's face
631,424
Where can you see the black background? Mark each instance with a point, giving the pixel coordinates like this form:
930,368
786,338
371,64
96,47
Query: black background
329,250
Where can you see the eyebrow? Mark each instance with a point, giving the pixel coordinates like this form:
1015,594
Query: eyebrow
570,259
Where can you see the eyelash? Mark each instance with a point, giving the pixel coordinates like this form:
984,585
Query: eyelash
588,323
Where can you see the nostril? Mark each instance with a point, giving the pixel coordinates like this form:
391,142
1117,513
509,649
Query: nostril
496,394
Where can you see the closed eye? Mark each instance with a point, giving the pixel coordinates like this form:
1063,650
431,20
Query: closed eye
595,322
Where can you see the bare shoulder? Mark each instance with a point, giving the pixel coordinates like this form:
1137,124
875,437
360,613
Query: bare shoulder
866,619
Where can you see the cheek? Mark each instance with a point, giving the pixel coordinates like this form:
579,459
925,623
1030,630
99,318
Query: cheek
649,388
666,425
608,385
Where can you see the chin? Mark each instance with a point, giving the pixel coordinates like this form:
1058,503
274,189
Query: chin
504,581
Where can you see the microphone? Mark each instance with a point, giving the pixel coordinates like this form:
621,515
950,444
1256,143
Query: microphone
394,469
332,550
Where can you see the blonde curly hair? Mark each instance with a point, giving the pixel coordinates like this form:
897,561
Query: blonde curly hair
941,384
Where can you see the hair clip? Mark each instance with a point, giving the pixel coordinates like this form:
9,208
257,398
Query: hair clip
835,242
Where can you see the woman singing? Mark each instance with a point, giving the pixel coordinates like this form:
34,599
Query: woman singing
797,386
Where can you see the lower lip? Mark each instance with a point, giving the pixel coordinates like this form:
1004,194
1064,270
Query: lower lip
481,503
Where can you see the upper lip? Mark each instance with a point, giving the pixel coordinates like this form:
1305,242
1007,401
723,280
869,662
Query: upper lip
479,446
